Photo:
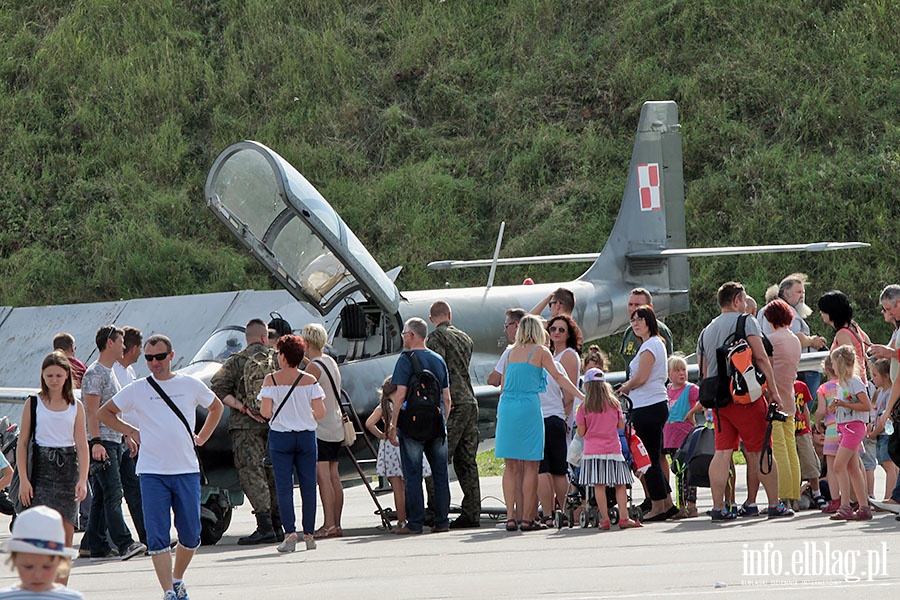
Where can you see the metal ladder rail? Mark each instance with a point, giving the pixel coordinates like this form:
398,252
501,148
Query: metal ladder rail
348,409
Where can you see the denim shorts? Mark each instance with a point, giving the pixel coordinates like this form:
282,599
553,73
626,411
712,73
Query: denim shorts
163,495
868,459
881,451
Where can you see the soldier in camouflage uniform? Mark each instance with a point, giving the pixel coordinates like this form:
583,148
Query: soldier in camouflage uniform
455,346
250,431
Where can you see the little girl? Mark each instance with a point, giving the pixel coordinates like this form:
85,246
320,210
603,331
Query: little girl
683,405
826,424
881,377
599,419
38,552
388,461
851,410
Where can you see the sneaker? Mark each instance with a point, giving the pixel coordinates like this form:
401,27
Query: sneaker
820,502
718,514
844,513
832,507
780,511
133,550
111,555
863,514
289,544
748,510
84,552
170,595
180,590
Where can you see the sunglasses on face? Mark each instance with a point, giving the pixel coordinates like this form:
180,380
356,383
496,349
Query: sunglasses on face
553,329
158,357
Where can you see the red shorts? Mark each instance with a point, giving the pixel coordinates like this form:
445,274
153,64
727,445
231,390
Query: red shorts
741,422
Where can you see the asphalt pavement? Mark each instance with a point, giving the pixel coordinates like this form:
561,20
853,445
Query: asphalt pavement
807,556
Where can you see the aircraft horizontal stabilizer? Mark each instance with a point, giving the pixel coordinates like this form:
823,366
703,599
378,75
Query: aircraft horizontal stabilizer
728,250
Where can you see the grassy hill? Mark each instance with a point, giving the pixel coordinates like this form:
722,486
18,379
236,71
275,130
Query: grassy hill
426,123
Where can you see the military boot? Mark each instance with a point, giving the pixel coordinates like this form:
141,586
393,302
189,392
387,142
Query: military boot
278,526
264,533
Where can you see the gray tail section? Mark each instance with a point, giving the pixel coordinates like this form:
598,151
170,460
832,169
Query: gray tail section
651,217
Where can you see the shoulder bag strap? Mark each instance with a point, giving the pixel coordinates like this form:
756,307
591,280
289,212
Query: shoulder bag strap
286,396
337,393
153,383
34,401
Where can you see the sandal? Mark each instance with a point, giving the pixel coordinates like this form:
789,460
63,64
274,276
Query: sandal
629,524
336,532
512,525
324,532
547,521
604,525
533,525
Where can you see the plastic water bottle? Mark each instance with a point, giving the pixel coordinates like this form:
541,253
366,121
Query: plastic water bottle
889,427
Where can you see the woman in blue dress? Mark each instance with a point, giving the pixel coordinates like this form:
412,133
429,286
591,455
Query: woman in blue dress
520,424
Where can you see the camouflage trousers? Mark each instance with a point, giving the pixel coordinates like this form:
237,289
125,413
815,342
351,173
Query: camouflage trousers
462,449
251,447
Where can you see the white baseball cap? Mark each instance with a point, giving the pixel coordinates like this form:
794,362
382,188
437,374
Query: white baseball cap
39,530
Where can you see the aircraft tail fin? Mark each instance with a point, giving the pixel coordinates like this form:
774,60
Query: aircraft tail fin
651,218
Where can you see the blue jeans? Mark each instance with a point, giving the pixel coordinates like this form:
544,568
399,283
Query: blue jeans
292,450
166,494
411,452
131,487
106,505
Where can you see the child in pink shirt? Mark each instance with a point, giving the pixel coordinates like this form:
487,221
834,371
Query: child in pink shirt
599,419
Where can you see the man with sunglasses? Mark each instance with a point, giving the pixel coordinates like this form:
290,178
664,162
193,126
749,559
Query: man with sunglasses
167,463
98,385
561,302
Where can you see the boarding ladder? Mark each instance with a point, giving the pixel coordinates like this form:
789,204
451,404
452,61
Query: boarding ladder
349,411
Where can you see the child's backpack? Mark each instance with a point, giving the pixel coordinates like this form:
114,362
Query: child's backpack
421,419
691,460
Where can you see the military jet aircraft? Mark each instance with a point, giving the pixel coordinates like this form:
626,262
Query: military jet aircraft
331,278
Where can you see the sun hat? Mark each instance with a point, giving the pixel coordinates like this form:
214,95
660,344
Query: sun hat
39,530
594,375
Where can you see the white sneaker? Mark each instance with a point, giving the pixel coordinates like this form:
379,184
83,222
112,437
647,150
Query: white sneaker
289,544
181,590
170,595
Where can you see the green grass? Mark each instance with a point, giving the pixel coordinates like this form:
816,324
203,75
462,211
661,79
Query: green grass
444,118
489,465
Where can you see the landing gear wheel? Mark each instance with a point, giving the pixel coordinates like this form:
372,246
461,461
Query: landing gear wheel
613,515
211,532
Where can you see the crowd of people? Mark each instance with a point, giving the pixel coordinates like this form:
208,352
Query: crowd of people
283,390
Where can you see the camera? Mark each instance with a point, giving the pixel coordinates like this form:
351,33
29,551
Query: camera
776,415
98,466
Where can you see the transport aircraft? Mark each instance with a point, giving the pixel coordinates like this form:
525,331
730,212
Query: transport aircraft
333,279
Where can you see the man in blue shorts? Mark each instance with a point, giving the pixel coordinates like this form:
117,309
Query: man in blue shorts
167,463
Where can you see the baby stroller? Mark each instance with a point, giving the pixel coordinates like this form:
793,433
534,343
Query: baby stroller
581,495
9,438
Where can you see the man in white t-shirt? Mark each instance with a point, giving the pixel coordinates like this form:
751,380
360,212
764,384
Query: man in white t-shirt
167,464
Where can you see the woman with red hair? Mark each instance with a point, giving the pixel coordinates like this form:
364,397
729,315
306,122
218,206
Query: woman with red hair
785,362
293,401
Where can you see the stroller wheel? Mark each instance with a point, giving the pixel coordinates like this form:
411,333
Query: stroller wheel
558,519
636,513
583,519
571,514
613,515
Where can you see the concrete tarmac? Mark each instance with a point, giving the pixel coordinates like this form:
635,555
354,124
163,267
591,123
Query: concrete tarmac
807,556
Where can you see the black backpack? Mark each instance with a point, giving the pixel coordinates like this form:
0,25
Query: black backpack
691,460
421,419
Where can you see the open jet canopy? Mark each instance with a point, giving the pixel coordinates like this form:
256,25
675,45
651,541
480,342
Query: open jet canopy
290,228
